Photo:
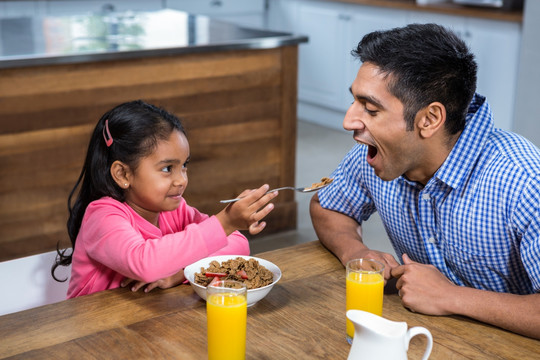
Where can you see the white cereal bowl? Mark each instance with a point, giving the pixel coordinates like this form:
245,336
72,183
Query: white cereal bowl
253,296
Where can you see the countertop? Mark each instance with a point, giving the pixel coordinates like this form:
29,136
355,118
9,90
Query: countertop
33,41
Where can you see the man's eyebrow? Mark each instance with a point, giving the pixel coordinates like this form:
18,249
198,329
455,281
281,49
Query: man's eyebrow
369,99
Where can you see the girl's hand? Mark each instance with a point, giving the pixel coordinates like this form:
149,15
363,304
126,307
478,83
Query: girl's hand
246,214
164,283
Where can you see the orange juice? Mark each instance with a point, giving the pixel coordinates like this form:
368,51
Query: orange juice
226,319
364,292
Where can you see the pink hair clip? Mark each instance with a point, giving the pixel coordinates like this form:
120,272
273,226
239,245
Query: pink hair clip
107,134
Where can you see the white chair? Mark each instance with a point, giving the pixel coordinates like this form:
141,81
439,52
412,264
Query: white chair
27,283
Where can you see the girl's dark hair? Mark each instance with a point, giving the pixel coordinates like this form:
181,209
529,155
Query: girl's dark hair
425,63
135,128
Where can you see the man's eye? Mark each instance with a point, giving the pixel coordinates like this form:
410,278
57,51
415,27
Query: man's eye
371,112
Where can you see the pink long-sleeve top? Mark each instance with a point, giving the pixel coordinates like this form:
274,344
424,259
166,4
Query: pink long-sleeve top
115,242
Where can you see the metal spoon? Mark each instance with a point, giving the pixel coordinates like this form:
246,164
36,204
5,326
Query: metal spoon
299,189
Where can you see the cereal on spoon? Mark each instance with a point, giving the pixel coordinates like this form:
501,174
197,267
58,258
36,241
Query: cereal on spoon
324,181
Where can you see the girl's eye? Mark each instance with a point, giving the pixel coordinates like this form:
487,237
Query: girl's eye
167,168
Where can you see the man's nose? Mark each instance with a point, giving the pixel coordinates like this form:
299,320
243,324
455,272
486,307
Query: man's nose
352,120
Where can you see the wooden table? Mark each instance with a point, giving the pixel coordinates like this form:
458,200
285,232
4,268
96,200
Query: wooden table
303,317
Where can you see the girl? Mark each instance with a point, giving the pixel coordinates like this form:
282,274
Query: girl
130,223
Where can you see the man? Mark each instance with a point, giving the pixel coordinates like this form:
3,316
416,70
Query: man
459,199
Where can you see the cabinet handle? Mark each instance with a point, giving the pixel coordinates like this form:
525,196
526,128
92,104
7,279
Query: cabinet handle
465,34
107,8
344,17
216,3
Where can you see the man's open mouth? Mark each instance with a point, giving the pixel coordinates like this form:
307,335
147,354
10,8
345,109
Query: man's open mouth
372,152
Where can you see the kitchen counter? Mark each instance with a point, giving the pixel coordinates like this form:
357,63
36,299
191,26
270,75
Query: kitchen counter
234,88
444,8
128,35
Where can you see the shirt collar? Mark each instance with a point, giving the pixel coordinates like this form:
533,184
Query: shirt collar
460,162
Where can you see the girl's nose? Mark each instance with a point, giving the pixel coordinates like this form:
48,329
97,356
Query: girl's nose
180,179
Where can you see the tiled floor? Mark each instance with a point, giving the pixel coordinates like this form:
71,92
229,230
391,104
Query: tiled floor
319,151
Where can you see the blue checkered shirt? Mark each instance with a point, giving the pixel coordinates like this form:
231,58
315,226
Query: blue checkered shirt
477,219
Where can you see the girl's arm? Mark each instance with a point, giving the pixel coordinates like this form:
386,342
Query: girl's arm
237,245
116,237
164,283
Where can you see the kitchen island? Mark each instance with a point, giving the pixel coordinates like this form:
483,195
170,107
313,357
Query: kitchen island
235,89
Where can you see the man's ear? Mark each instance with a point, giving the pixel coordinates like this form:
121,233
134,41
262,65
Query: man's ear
431,119
120,173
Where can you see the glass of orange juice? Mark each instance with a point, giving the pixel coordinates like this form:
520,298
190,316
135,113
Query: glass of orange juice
226,313
365,288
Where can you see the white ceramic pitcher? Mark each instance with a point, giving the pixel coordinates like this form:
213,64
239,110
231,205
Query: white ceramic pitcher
378,338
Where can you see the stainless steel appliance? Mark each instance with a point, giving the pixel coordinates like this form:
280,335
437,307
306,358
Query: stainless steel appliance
502,4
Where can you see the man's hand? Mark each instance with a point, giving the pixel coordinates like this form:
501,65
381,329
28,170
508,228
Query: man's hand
386,259
423,288
342,235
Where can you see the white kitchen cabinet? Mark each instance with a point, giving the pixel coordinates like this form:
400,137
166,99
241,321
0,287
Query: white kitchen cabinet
21,8
242,12
321,74
342,36
281,15
326,68
495,45
364,21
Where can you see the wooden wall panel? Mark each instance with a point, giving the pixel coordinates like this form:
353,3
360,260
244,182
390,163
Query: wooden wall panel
238,107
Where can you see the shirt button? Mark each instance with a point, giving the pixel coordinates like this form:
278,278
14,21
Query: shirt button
426,196
432,240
